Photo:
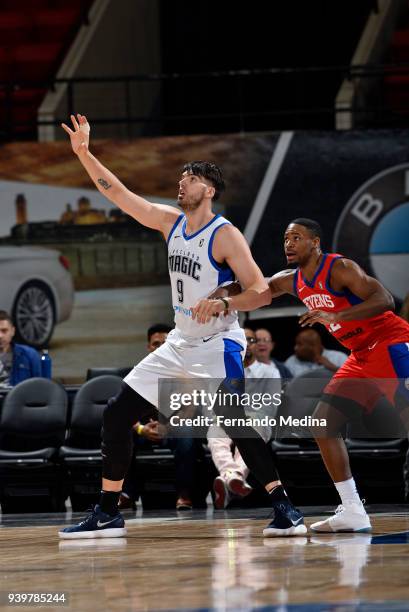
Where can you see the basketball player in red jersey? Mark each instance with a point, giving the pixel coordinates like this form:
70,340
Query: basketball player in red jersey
357,310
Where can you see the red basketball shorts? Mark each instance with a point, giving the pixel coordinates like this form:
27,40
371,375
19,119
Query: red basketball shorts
382,369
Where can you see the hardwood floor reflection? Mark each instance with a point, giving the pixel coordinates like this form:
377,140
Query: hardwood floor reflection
221,562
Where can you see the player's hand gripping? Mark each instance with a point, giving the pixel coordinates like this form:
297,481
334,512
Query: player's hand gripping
79,136
205,309
317,316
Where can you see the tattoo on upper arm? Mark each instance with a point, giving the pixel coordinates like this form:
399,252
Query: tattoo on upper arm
104,183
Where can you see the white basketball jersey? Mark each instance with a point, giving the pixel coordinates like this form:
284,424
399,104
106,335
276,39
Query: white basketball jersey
194,274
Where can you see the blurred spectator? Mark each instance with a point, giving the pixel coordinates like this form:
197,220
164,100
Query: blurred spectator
264,348
85,215
68,215
21,209
233,472
116,215
157,335
185,449
309,354
17,361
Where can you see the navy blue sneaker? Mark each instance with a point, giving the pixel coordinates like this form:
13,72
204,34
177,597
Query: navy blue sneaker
287,521
96,524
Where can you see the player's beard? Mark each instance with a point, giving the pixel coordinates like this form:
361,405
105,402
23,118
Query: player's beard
190,203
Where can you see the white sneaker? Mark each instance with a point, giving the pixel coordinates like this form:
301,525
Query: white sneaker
351,517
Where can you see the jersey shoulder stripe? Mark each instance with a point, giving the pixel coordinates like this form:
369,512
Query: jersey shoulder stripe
174,227
347,293
332,260
210,247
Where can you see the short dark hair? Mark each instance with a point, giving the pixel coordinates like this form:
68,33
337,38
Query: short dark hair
210,172
4,316
311,225
315,330
158,328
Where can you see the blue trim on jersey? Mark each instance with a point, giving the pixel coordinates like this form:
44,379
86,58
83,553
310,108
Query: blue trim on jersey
225,275
312,283
327,285
223,269
399,356
186,237
233,362
174,227
352,298
295,281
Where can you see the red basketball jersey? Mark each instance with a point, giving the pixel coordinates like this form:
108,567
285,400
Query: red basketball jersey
355,335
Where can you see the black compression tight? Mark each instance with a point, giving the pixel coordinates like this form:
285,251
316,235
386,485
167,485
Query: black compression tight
121,413
257,455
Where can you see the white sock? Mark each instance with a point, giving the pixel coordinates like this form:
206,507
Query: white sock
347,491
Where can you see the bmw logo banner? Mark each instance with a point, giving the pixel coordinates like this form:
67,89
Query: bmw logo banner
356,185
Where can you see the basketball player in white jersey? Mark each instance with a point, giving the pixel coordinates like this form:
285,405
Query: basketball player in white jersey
204,251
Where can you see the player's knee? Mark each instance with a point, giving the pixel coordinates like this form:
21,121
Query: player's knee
321,411
327,421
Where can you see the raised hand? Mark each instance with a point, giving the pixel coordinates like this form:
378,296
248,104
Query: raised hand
79,136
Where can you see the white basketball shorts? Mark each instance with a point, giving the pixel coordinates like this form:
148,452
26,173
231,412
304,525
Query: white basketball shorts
218,356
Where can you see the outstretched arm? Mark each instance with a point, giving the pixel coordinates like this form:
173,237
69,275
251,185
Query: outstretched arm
233,288
155,216
282,282
230,246
346,274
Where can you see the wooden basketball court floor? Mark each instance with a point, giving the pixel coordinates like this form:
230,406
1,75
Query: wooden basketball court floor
208,560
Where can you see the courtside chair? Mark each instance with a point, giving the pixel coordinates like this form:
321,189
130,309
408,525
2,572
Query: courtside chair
81,453
94,372
32,429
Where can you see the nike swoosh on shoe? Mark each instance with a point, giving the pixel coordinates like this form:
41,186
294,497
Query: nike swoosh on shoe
99,524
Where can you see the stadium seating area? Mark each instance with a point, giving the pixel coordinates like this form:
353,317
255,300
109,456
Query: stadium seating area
34,36
50,450
396,86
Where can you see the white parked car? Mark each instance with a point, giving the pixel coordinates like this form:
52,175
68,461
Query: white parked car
36,288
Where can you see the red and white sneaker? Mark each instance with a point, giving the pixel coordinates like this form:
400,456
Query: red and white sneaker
221,493
238,486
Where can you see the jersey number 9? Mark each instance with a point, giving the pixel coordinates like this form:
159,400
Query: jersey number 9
179,287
